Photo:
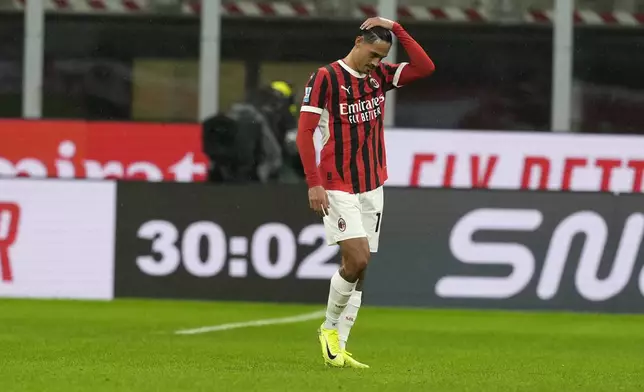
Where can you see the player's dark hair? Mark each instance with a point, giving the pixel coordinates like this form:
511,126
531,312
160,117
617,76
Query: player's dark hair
377,33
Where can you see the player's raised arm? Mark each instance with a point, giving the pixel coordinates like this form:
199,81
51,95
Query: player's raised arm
420,64
313,104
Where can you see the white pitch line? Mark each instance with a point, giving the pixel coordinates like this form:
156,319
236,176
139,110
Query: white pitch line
254,323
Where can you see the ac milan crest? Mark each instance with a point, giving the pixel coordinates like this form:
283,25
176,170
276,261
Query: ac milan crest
374,83
342,225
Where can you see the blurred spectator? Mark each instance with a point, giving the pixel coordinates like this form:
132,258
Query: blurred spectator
286,128
247,142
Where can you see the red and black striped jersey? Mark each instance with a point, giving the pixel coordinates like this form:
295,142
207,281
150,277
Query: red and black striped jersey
351,106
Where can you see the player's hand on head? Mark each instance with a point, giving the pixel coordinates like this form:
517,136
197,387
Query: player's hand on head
319,200
377,21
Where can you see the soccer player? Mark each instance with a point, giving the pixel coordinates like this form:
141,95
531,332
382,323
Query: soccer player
346,100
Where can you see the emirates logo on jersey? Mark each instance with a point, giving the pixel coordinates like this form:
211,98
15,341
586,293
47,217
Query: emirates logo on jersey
363,110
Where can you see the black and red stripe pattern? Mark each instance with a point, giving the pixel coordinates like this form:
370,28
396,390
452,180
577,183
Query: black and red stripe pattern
352,107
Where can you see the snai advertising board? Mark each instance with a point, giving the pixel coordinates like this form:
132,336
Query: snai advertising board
501,249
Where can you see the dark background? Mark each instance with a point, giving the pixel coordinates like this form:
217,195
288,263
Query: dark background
488,76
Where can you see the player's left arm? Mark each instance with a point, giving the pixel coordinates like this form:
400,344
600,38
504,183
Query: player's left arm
420,64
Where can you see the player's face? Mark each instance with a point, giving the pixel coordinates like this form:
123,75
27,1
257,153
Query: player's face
370,55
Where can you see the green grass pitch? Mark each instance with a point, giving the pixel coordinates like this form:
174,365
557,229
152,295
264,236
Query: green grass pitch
128,345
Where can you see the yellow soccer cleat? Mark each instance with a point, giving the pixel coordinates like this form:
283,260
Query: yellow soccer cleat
330,344
349,362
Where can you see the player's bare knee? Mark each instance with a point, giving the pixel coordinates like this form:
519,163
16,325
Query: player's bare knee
361,262
361,259
355,255
354,266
